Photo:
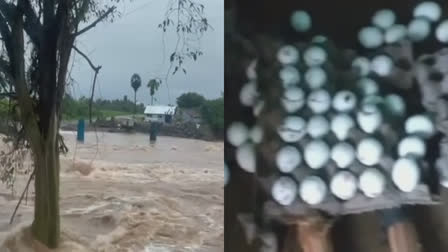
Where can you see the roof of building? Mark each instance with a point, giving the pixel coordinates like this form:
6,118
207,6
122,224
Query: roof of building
160,110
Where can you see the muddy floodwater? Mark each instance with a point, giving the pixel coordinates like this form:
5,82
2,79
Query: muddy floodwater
119,193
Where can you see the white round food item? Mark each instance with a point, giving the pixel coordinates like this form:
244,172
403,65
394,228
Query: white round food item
251,71
395,33
313,190
258,107
246,157
284,191
343,154
412,146
372,182
288,158
382,65
319,101
406,174
420,125
419,29
367,86
369,151
442,32
289,76
315,56
237,133
343,185
288,55
429,10
344,101
318,126
293,99
249,94
256,134
395,104
316,154
319,39
362,65
371,37
315,77
369,118
301,21
341,125
226,174
384,18
292,129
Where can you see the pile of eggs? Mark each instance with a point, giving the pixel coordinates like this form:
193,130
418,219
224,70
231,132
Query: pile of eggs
331,116
318,129
385,30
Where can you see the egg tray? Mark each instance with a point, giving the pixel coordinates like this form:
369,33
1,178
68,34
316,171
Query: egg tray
389,134
426,193
390,198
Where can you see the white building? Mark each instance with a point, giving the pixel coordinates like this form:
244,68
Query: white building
162,114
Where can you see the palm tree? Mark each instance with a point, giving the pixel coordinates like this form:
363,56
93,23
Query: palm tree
136,83
153,86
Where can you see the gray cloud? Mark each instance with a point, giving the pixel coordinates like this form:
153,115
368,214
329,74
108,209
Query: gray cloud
134,44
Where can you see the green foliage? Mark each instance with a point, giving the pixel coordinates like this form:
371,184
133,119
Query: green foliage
153,86
190,100
213,113
136,82
77,109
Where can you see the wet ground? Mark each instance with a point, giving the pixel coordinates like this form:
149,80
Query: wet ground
118,193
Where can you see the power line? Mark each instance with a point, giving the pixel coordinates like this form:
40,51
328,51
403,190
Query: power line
139,8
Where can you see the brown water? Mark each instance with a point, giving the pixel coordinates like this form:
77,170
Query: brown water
118,193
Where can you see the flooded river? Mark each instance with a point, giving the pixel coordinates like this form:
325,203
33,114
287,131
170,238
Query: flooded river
119,193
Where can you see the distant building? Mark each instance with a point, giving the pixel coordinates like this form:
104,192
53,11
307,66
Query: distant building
162,114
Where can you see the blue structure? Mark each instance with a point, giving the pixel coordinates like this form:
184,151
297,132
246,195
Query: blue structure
81,130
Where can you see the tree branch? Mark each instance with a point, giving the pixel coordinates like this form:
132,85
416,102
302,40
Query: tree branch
87,28
7,10
95,68
32,24
21,197
6,33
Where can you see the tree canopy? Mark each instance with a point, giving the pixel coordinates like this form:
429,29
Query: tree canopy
190,100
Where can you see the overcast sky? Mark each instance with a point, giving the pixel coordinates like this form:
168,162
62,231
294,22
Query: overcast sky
134,44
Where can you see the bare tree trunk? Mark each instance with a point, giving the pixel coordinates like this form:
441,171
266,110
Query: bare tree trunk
135,102
46,225
92,95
